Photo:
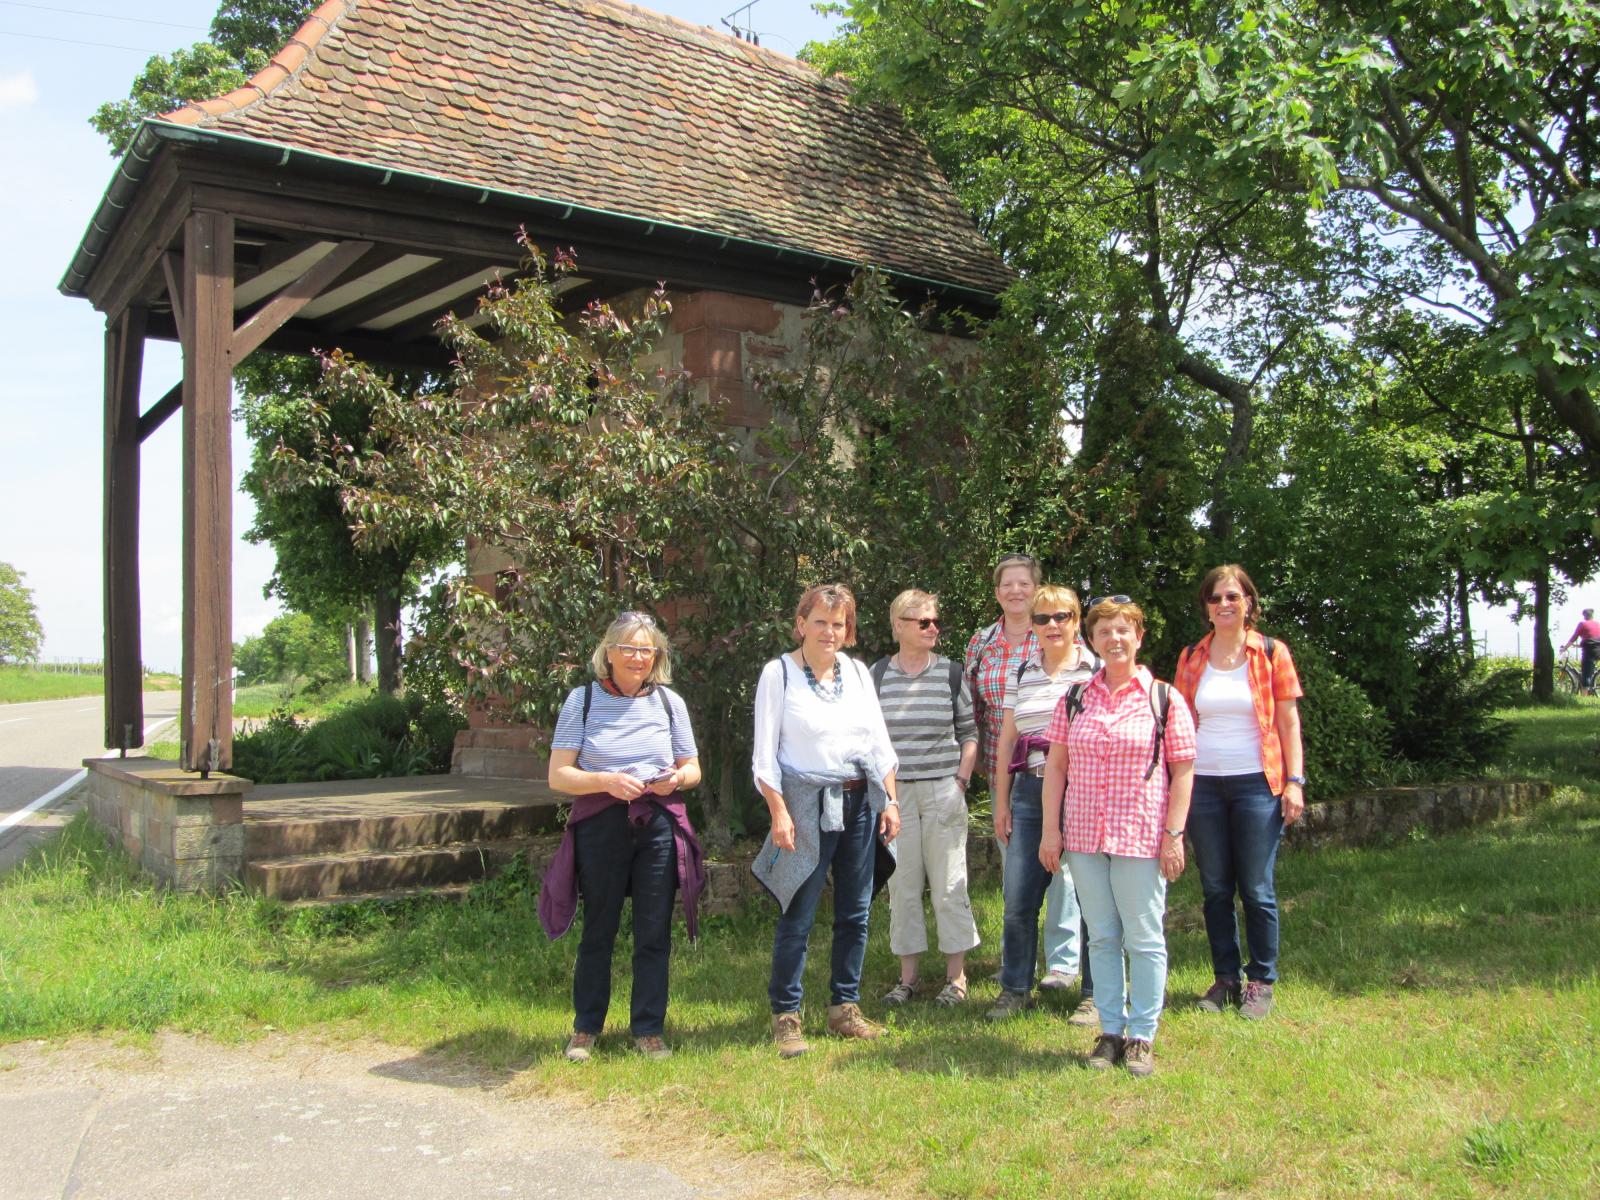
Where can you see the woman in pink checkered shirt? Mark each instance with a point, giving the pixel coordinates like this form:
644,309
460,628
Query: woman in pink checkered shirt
1125,808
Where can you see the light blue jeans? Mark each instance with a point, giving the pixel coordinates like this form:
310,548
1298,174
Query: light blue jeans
1124,901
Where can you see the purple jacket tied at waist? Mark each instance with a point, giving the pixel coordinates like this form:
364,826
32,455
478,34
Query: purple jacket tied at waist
1027,743
558,895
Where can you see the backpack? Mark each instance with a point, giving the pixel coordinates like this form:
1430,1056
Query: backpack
1160,706
953,668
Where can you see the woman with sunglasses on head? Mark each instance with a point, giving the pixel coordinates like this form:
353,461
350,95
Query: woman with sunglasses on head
623,748
1249,783
1122,756
927,708
824,764
1032,692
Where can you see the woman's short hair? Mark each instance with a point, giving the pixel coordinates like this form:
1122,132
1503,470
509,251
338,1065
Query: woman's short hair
1056,597
1234,571
909,601
624,627
830,596
1109,608
1007,561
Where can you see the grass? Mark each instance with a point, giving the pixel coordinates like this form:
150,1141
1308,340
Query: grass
1436,1035
19,685
259,701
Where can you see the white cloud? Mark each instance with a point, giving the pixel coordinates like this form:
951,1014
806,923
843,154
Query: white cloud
18,91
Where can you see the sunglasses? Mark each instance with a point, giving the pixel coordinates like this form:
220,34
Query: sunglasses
1060,618
635,617
1119,598
1225,597
924,622
1008,560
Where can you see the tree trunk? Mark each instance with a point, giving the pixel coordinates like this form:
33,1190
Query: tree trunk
350,649
386,618
1463,599
1240,397
1544,659
363,649
718,804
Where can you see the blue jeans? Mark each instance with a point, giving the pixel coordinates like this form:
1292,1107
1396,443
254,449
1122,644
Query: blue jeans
1025,886
1124,900
1236,823
850,854
616,857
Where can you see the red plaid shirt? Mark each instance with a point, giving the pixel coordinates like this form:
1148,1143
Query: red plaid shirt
1271,680
989,659
1111,808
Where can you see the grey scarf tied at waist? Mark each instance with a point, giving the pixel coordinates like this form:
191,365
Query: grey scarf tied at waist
815,800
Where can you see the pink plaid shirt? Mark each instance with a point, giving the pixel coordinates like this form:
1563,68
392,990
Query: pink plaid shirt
1111,808
989,659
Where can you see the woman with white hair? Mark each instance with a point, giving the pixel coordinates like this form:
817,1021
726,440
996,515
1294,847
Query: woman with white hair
624,749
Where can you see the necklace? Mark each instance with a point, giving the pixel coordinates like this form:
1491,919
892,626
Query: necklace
1227,660
822,691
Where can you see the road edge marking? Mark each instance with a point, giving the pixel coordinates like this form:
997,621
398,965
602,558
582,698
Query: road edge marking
53,794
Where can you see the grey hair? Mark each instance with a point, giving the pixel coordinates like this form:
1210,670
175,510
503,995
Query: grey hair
624,626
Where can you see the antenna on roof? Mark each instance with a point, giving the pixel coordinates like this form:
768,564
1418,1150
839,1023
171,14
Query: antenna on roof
740,21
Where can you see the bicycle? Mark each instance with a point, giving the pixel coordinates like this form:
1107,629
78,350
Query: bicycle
1569,682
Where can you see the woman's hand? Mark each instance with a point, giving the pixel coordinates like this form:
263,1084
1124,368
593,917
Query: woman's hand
1050,851
1294,802
622,785
783,829
1171,857
1002,821
671,782
889,823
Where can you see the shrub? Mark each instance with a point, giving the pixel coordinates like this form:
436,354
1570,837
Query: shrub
378,737
1346,738
1449,722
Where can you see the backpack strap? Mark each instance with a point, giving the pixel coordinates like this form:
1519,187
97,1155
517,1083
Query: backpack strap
879,669
956,673
1074,699
783,661
588,699
1160,707
1269,646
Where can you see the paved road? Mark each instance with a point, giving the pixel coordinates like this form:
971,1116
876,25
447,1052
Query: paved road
42,746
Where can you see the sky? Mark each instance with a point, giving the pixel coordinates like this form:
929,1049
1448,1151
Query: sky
59,60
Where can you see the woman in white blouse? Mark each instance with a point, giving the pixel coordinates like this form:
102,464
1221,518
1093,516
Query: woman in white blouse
825,767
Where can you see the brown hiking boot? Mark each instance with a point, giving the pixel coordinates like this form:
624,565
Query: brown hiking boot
1139,1057
1085,1014
579,1046
787,1036
652,1046
1008,1005
1107,1052
1219,995
1257,1000
846,1021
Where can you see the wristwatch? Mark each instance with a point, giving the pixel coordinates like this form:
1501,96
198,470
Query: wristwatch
1174,833
1300,779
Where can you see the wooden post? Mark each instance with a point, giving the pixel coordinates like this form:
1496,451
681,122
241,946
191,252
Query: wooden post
124,680
207,334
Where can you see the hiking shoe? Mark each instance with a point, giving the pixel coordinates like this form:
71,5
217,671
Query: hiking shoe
899,994
1257,1000
786,1034
1219,995
846,1021
578,1047
1085,1014
1010,1004
1057,981
952,995
651,1046
1139,1057
1107,1052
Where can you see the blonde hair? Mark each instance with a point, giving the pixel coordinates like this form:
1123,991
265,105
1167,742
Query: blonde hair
830,596
624,626
908,602
1108,610
1056,597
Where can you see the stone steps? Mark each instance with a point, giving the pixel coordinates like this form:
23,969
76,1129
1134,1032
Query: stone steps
323,876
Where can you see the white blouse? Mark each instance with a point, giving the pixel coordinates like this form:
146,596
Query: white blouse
804,732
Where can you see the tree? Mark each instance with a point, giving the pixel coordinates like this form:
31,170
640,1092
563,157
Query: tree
21,635
293,646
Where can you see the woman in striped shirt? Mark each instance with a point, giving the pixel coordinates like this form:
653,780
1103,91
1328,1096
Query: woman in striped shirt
624,749
927,707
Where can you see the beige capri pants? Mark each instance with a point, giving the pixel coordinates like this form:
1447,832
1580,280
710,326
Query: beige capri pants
931,850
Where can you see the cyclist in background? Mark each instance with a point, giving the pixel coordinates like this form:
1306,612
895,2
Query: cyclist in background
1587,632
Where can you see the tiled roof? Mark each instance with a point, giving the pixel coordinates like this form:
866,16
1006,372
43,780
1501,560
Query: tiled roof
616,108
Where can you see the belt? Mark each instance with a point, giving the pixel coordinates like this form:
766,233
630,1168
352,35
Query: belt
855,787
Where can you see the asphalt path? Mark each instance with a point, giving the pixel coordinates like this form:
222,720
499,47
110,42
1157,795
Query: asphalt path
42,747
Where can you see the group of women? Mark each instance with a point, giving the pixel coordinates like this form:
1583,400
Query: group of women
1097,771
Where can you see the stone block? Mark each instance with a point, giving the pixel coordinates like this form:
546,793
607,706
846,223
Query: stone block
207,841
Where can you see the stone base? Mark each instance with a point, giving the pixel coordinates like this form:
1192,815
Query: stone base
501,752
186,831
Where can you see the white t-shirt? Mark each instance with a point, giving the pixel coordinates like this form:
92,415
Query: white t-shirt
1228,736
804,732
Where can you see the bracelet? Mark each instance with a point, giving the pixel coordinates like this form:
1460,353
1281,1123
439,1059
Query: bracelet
1174,833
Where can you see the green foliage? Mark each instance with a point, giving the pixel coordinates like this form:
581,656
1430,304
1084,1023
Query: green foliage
1346,739
1450,722
293,646
21,634
378,737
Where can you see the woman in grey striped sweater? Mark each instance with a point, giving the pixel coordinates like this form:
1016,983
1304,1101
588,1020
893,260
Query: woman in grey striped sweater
927,706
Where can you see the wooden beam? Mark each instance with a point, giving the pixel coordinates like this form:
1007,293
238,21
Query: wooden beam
270,317
124,674
443,274
156,415
207,717
172,272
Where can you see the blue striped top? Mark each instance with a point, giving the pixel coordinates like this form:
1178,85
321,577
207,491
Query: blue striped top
625,733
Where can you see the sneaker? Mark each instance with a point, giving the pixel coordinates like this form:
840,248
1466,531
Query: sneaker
1219,995
1139,1057
1107,1052
952,995
899,994
651,1046
578,1047
1085,1014
1010,1004
1257,1000
846,1021
1057,981
787,1036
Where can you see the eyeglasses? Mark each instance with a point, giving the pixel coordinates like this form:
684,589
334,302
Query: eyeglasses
636,651
1119,598
1225,597
1060,618
924,622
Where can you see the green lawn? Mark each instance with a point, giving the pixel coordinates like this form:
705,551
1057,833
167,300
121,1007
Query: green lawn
1437,1032
21,684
